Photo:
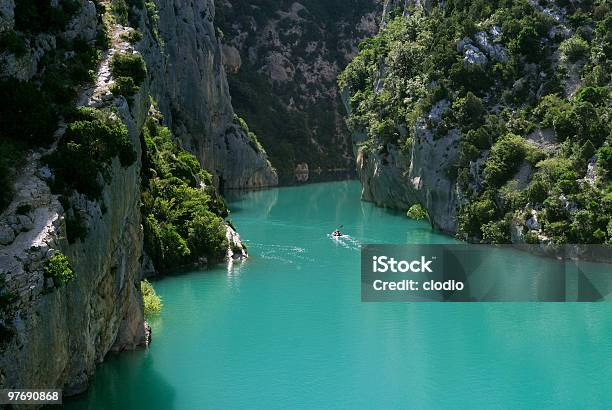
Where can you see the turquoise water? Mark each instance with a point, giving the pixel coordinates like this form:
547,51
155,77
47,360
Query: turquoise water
286,329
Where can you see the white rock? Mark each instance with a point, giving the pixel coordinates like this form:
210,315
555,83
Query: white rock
473,56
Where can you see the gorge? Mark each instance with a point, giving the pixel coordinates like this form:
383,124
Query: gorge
126,124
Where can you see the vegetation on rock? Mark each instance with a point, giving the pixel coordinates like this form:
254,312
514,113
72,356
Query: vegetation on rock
30,110
59,269
129,71
417,211
92,139
151,301
181,210
500,73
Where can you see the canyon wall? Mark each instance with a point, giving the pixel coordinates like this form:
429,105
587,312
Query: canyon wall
493,117
52,335
282,59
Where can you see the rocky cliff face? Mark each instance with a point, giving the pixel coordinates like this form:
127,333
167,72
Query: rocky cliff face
391,178
57,334
396,178
53,335
282,59
495,118
190,85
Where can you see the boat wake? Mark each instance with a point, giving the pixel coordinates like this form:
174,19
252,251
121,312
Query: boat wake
346,241
282,253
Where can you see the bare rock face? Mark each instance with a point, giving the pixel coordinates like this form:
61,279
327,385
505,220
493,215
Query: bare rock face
231,58
395,179
191,88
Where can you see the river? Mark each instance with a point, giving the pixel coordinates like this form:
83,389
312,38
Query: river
287,329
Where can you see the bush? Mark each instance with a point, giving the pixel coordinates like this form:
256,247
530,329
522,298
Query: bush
495,232
134,36
595,95
474,215
206,236
124,86
120,10
13,42
504,159
604,159
152,303
417,211
164,244
528,44
574,48
89,144
537,191
35,16
129,65
469,111
59,269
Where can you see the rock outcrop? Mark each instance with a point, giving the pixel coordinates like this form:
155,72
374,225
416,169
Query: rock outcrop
395,179
190,86
283,60
61,332
52,335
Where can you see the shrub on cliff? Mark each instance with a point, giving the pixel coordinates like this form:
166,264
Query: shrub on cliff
604,160
475,214
91,140
59,269
124,86
206,236
504,159
152,303
37,16
496,232
26,114
417,211
13,42
129,65
574,48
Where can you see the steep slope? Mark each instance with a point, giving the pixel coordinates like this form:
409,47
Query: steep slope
76,182
54,333
191,88
494,116
282,59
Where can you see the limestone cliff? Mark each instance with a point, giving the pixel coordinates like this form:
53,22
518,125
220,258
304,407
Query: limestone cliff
53,334
494,117
190,85
282,59
396,178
